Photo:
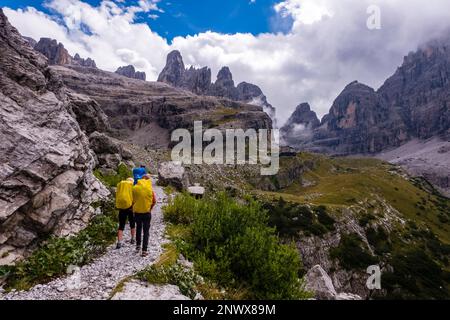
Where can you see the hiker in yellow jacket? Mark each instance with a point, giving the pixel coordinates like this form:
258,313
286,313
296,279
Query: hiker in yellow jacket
124,202
144,200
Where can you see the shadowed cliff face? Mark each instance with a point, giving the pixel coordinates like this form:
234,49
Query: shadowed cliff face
46,164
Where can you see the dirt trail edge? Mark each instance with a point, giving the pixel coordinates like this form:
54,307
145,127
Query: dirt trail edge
95,281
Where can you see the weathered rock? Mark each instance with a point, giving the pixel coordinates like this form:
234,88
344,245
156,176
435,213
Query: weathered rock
31,41
224,85
136,290
252,94
173,174
88,63
173,72
300,125
54,51
318,281
130,72
46,165
109,152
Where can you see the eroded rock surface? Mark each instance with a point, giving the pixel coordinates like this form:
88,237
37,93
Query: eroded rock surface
46,165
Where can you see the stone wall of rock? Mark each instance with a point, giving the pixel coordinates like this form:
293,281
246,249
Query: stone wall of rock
46,164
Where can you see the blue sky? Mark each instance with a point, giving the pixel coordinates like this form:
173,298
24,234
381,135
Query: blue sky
189,17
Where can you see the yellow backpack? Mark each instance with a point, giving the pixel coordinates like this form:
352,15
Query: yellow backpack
142,196
124,195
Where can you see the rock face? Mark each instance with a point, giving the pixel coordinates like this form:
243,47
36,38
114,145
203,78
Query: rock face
136,290
300,125
54,51
130,72
198,81
320,283
58,55
252,94
88,63
172,174
46,165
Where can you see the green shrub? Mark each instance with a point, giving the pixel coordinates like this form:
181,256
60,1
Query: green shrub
231,244
379,239
181,209
186,279
351,254
290,219
324,218
56,254
415,276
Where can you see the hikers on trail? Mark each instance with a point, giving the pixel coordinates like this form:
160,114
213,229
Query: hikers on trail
135,199
144,200
124,202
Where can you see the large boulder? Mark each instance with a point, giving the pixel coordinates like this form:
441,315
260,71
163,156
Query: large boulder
47,185
320,283
172,174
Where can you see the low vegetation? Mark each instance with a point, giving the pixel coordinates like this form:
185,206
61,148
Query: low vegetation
55,255
232,245
114,177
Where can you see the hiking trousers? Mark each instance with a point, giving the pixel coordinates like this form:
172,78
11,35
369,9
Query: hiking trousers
142,226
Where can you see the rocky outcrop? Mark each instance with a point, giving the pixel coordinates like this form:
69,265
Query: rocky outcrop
130,72
109,152
320,284
31,41
198,81
88,63
54,51
224,85
300,125
46,165
138,290
252,94
58,55
172,174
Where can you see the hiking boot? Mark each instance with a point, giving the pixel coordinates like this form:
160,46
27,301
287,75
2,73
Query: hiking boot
138,249
133,241
118,245
144,254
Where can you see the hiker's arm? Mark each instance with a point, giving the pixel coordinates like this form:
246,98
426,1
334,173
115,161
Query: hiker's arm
153,200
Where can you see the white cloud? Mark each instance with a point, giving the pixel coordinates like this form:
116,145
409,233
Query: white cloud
327,47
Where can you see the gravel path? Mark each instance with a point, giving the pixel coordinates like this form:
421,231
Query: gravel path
96,280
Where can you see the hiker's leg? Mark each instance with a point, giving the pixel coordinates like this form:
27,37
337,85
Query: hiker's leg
138,219
122,220
146,226
132,224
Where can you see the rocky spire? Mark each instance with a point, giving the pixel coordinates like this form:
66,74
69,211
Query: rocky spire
130,72
54,51
174,70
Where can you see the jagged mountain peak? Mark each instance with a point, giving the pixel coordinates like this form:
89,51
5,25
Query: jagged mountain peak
130,72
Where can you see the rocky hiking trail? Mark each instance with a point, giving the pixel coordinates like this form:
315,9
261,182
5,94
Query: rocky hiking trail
97,280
